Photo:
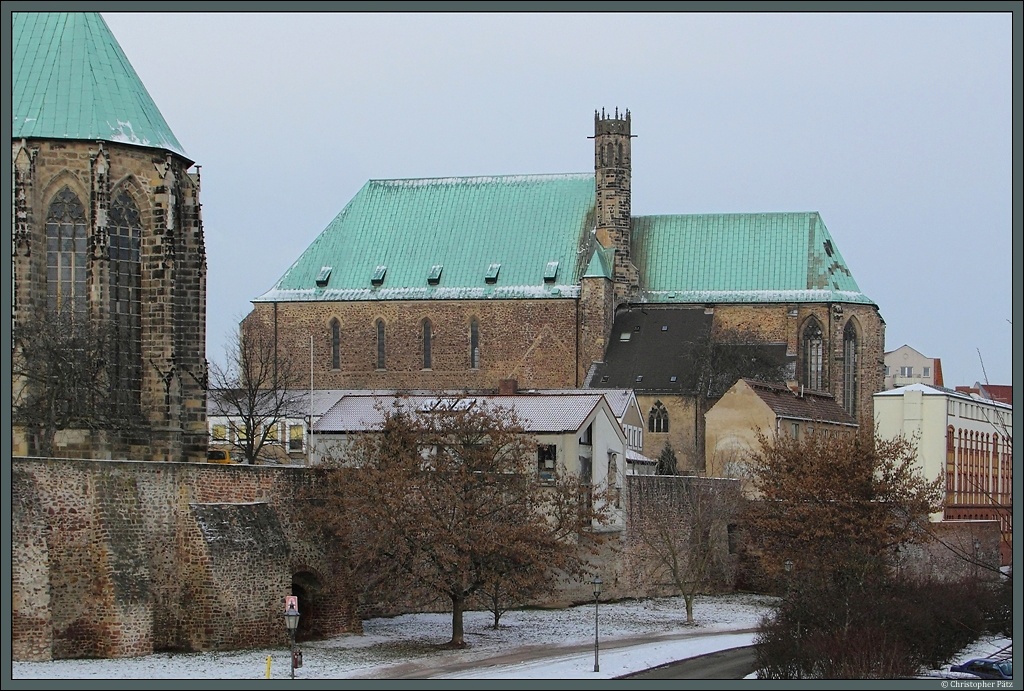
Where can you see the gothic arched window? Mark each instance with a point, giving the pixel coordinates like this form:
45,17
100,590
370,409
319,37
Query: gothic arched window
657,419
427,338
850,368
125,276
66,253
814,351
474,343
335,344
380,344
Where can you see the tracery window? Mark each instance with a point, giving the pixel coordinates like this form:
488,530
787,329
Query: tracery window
124,275
657,419
66,253
850,368
814,348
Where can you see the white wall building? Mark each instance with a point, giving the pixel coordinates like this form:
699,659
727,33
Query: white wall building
905,366
963,438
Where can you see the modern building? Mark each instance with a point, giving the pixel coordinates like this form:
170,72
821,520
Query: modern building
963,438
905,366
752,409
992,392
107,229
458,283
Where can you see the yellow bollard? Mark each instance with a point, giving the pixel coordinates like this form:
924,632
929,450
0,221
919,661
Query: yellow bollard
268,666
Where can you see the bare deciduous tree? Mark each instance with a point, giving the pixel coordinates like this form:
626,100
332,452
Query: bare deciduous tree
67,373
256,389
678,532
447,502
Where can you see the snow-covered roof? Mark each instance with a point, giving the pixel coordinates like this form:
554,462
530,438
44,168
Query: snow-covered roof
928,390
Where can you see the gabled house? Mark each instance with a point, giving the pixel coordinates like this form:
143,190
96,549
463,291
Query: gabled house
751,408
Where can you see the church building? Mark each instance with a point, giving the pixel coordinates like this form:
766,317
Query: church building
550,280
107,234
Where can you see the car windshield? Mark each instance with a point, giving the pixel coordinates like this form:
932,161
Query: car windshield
1006,667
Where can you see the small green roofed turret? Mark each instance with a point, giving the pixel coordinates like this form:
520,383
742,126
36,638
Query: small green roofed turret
71,80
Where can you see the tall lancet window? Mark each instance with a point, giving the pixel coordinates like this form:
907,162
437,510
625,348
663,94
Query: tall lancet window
380,344
814,351
427,338
850,368
66,253
125,271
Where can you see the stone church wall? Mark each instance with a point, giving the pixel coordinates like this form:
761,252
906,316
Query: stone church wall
173,273
123,558
532,341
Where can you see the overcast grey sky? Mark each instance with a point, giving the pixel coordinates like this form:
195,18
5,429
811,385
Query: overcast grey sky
896,127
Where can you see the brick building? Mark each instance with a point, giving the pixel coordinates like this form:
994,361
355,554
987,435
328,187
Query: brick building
460,282
106,225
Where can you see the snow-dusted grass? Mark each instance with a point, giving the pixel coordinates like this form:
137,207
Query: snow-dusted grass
541,644
411,645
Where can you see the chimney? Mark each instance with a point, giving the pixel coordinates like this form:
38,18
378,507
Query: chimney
508,387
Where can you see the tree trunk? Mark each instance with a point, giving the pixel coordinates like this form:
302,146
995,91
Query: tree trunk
497,607
688,599
458,637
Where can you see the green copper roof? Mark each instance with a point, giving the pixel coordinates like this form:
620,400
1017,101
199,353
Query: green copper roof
70,80
601,263
463,225
772,257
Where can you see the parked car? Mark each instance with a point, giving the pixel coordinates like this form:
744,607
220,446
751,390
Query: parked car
218,456
986,668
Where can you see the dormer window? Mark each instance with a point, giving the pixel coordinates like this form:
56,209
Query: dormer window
378,275
550,272
492,273
323,277
434,277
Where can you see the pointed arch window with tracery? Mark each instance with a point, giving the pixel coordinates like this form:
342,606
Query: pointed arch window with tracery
814,352
125,282
657,419
66,234
850,368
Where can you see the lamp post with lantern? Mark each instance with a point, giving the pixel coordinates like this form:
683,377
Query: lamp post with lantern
291,621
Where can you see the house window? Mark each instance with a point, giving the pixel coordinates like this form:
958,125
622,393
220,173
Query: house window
546,456
587,438
474,344
125,272
813,356
295,437
926,371
850,368
335,344
66,253
219,433
380,344
906,372
887,370
794,430
657,419
272,433
427,337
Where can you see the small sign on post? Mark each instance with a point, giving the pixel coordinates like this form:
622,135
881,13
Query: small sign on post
296,659
291,602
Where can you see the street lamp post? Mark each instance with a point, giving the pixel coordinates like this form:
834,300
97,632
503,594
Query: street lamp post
597,593
291,620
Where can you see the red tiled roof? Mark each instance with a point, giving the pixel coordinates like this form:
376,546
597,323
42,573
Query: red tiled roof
811,405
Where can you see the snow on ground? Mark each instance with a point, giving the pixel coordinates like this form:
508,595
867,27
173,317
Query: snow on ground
539,644
408,645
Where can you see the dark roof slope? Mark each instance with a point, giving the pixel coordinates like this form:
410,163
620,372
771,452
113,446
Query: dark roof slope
668,350
810,405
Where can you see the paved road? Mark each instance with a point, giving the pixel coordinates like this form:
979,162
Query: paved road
734,663
426,670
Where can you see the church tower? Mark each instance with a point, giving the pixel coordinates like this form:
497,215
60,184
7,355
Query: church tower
612,171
